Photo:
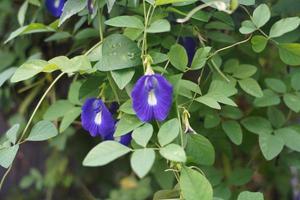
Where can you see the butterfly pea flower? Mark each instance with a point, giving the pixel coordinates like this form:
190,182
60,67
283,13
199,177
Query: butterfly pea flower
113,108
90,6
96,118
55,7
124,139
152,97
190,45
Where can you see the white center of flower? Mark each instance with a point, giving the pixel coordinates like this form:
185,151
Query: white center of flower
152,101
56,3
98,118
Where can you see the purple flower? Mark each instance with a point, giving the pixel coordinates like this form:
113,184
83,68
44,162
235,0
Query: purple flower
96,118
152,97
90,6
55,7
113,108
190,44
124,139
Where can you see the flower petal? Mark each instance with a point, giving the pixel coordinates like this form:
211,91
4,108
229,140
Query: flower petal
139,96
55,7
126,139
152,97
163,92
96,118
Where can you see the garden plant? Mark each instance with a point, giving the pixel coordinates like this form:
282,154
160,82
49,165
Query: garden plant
150,99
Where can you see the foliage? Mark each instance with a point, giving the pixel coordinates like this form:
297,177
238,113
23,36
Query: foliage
232,131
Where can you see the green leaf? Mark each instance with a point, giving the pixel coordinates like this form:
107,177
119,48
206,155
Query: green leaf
168,132
258,125
142,161
125,21
211,120
231,112
209,101
269,98
90,88
250,196
28,29
178,57
79,63
194,185
63,63
259,43
290,53
200,58
166,194
247,27
261,15
290,136
35,2
240,176
173,152
7,155
270,145
43,130
284,26
73,94
57,110
276,117
295,83
127,107
58,36
159,26
188,86
143,134
158,57
163,2
28,70
68,118
244,71
104,153
247,2
292,101
12,133
126,124
119,52
122,77
251,87
199,150
234,131
6,74
22,13
71,8
276,85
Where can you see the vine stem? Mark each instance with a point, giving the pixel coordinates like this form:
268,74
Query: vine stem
39,104
230,46
4,176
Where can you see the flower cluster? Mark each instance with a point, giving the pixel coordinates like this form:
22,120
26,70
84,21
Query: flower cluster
151,100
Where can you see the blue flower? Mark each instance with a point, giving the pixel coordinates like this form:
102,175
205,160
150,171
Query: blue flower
152,97
124,139
55,7
190,45
113,108
96,118
90,6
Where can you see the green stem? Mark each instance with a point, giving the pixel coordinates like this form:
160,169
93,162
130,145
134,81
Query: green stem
38,105
100,24
4,176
